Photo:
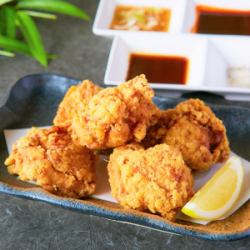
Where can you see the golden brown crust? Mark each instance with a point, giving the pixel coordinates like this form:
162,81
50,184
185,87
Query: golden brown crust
157,131
49,157
76,97
194,129
155,180
198,134
115,116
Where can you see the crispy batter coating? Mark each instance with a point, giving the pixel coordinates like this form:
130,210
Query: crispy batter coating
157,131
115,116
155,180
49,157
200,136
76,97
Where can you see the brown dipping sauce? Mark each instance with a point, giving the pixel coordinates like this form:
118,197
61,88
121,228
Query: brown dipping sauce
210,20
158,68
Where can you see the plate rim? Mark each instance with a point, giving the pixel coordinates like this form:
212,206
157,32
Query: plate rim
78,205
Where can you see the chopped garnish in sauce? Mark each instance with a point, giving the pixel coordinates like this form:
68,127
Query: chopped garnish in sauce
140,18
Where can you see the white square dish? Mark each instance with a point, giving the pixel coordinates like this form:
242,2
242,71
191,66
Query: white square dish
209,60
228,53
106,10
190,47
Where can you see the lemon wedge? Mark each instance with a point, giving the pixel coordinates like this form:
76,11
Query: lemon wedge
219,194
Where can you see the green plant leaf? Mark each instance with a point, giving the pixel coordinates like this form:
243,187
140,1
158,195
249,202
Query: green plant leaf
56,6
41,14
6,53
2,21
14,45
2,2
32,37
7,21
10,25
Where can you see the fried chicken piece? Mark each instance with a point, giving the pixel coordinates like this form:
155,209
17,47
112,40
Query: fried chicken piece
115,116
155,180
200,136
157,131
76,97
53,161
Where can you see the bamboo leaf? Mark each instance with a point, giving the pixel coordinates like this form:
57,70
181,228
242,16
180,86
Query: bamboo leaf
55,6
41,14
17,46
32,37
2,21
7,21
6,53
14,45
2,2
10,16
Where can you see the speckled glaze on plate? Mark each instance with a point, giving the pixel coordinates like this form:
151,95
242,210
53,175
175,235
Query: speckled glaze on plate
33,102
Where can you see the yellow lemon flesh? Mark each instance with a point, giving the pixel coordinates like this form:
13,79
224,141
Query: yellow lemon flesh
219,194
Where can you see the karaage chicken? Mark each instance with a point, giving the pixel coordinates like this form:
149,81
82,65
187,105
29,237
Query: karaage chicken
115,116
155,180
157,131
50,158
193,128
76,97
198,134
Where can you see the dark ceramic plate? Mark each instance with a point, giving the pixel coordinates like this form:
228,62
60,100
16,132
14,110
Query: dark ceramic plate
33,102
